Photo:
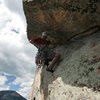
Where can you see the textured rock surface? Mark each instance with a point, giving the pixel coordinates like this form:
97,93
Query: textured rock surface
65,18
77,77
10,95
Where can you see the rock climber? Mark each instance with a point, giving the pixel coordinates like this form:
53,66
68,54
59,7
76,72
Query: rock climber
46,54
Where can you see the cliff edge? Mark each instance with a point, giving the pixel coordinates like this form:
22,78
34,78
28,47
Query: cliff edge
75,25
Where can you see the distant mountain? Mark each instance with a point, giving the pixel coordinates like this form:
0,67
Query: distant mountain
10,95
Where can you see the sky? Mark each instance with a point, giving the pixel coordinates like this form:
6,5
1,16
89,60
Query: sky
17,55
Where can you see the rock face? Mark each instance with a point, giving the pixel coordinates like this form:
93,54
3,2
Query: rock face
10,95
64,18
77,77
75,25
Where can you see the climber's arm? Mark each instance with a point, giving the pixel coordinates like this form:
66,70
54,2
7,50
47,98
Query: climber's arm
55,60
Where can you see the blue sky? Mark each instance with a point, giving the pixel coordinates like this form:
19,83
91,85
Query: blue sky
9,82
17,65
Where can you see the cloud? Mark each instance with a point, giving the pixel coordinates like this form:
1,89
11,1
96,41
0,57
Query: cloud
11,19
16,6
3,86
16,53
3,79
25,85
4,16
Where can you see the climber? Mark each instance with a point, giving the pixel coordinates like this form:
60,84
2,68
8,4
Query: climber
46,54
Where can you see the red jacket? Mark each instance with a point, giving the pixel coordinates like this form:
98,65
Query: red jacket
39,41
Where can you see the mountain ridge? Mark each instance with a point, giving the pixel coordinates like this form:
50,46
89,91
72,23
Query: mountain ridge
10,95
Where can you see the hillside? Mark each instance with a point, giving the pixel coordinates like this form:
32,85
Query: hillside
10,95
